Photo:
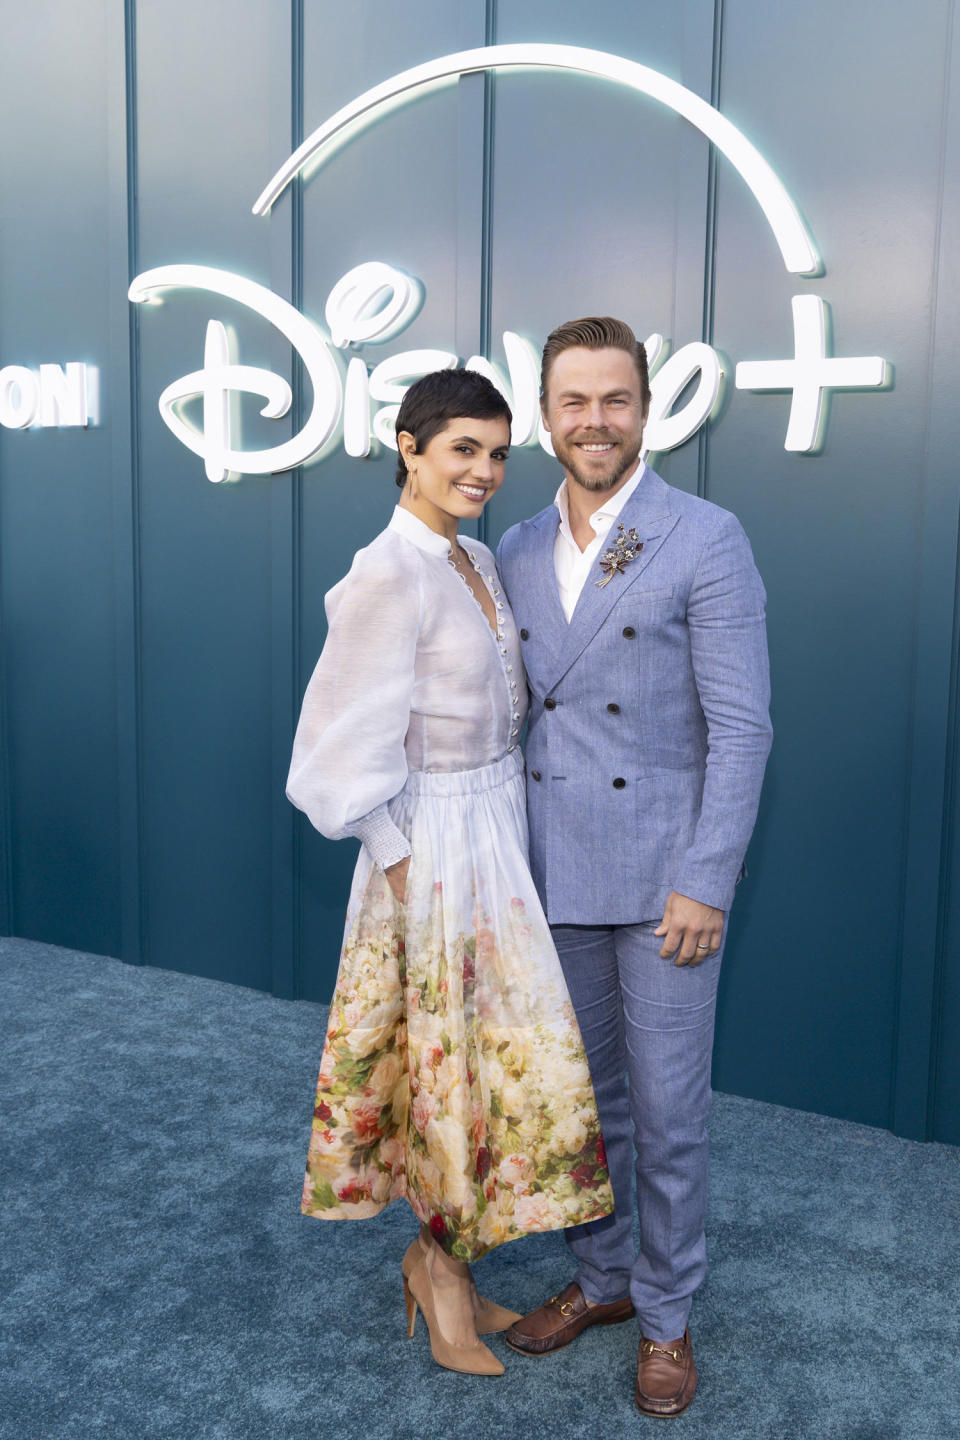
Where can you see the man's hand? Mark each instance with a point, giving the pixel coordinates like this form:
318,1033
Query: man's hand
692,929
397,877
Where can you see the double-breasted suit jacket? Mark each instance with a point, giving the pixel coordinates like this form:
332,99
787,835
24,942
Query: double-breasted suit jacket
649,727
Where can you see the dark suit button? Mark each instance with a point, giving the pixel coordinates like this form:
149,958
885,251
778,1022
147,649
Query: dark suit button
619,783
524,634
628,632
535,774
614,708
549,704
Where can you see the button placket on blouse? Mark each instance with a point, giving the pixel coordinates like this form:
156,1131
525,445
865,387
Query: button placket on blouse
506,668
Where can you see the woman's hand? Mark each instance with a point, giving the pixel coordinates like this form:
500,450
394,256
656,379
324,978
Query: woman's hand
397,877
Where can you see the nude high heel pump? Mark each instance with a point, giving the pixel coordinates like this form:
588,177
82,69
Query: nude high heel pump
411,1305
491,1318
474,1359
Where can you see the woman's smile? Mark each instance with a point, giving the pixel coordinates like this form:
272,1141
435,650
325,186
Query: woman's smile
456,472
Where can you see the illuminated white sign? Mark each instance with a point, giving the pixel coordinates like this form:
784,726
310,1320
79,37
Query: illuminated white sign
375,302
371,304
796,247
219,376
348,401
50,396
810,373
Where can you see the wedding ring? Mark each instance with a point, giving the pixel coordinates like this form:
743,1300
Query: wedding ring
703,947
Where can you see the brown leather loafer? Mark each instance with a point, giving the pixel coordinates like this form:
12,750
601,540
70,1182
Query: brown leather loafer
666,1376
561,1319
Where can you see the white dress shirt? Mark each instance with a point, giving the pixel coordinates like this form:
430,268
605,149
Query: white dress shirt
412,677
571,564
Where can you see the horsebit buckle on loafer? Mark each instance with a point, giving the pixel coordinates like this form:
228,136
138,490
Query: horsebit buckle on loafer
649,1348
565,1309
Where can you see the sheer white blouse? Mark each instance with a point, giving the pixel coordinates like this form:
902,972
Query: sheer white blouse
411,677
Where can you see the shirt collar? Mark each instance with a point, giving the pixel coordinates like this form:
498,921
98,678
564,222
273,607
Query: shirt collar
411,528
603,518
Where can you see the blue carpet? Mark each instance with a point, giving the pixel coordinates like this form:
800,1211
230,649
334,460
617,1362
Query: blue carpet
159,1283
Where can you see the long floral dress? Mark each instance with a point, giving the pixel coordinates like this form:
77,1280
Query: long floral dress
453,1071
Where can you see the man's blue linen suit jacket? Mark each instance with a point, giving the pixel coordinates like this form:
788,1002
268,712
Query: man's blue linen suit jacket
649,727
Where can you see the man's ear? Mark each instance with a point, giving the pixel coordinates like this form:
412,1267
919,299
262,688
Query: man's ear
543,415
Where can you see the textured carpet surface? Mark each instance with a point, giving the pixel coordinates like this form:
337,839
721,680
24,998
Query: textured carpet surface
159,1283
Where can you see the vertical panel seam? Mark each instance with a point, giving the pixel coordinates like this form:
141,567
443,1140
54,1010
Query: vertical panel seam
952,710
946,863
710,236
134,341
490,23
7,926
486,235
296,479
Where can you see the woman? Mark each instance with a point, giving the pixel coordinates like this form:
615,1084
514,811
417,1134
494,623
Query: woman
453,1071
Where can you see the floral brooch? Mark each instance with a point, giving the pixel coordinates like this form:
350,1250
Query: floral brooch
618,557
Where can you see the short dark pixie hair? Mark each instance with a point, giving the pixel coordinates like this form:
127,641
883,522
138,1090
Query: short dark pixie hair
443,395
595,332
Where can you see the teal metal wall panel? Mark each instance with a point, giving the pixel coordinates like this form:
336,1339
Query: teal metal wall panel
159,629
55,485
809,1007
928,1060
206,143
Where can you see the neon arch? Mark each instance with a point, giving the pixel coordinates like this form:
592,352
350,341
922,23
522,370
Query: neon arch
795,243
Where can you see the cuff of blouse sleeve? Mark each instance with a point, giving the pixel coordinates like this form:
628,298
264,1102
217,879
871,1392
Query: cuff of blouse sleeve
385,843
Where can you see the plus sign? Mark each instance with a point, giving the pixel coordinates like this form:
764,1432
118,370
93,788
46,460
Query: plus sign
810,372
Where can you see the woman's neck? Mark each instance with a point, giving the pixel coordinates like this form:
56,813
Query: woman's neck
432,516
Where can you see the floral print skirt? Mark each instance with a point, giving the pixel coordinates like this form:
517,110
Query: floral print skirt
453,1071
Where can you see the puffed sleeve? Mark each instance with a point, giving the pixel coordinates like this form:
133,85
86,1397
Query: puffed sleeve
348,756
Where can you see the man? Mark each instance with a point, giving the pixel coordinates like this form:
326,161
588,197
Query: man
642,620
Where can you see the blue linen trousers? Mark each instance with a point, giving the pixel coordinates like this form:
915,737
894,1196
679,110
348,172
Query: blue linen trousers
647,1025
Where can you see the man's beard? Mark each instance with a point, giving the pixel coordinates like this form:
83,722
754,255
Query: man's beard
593,481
